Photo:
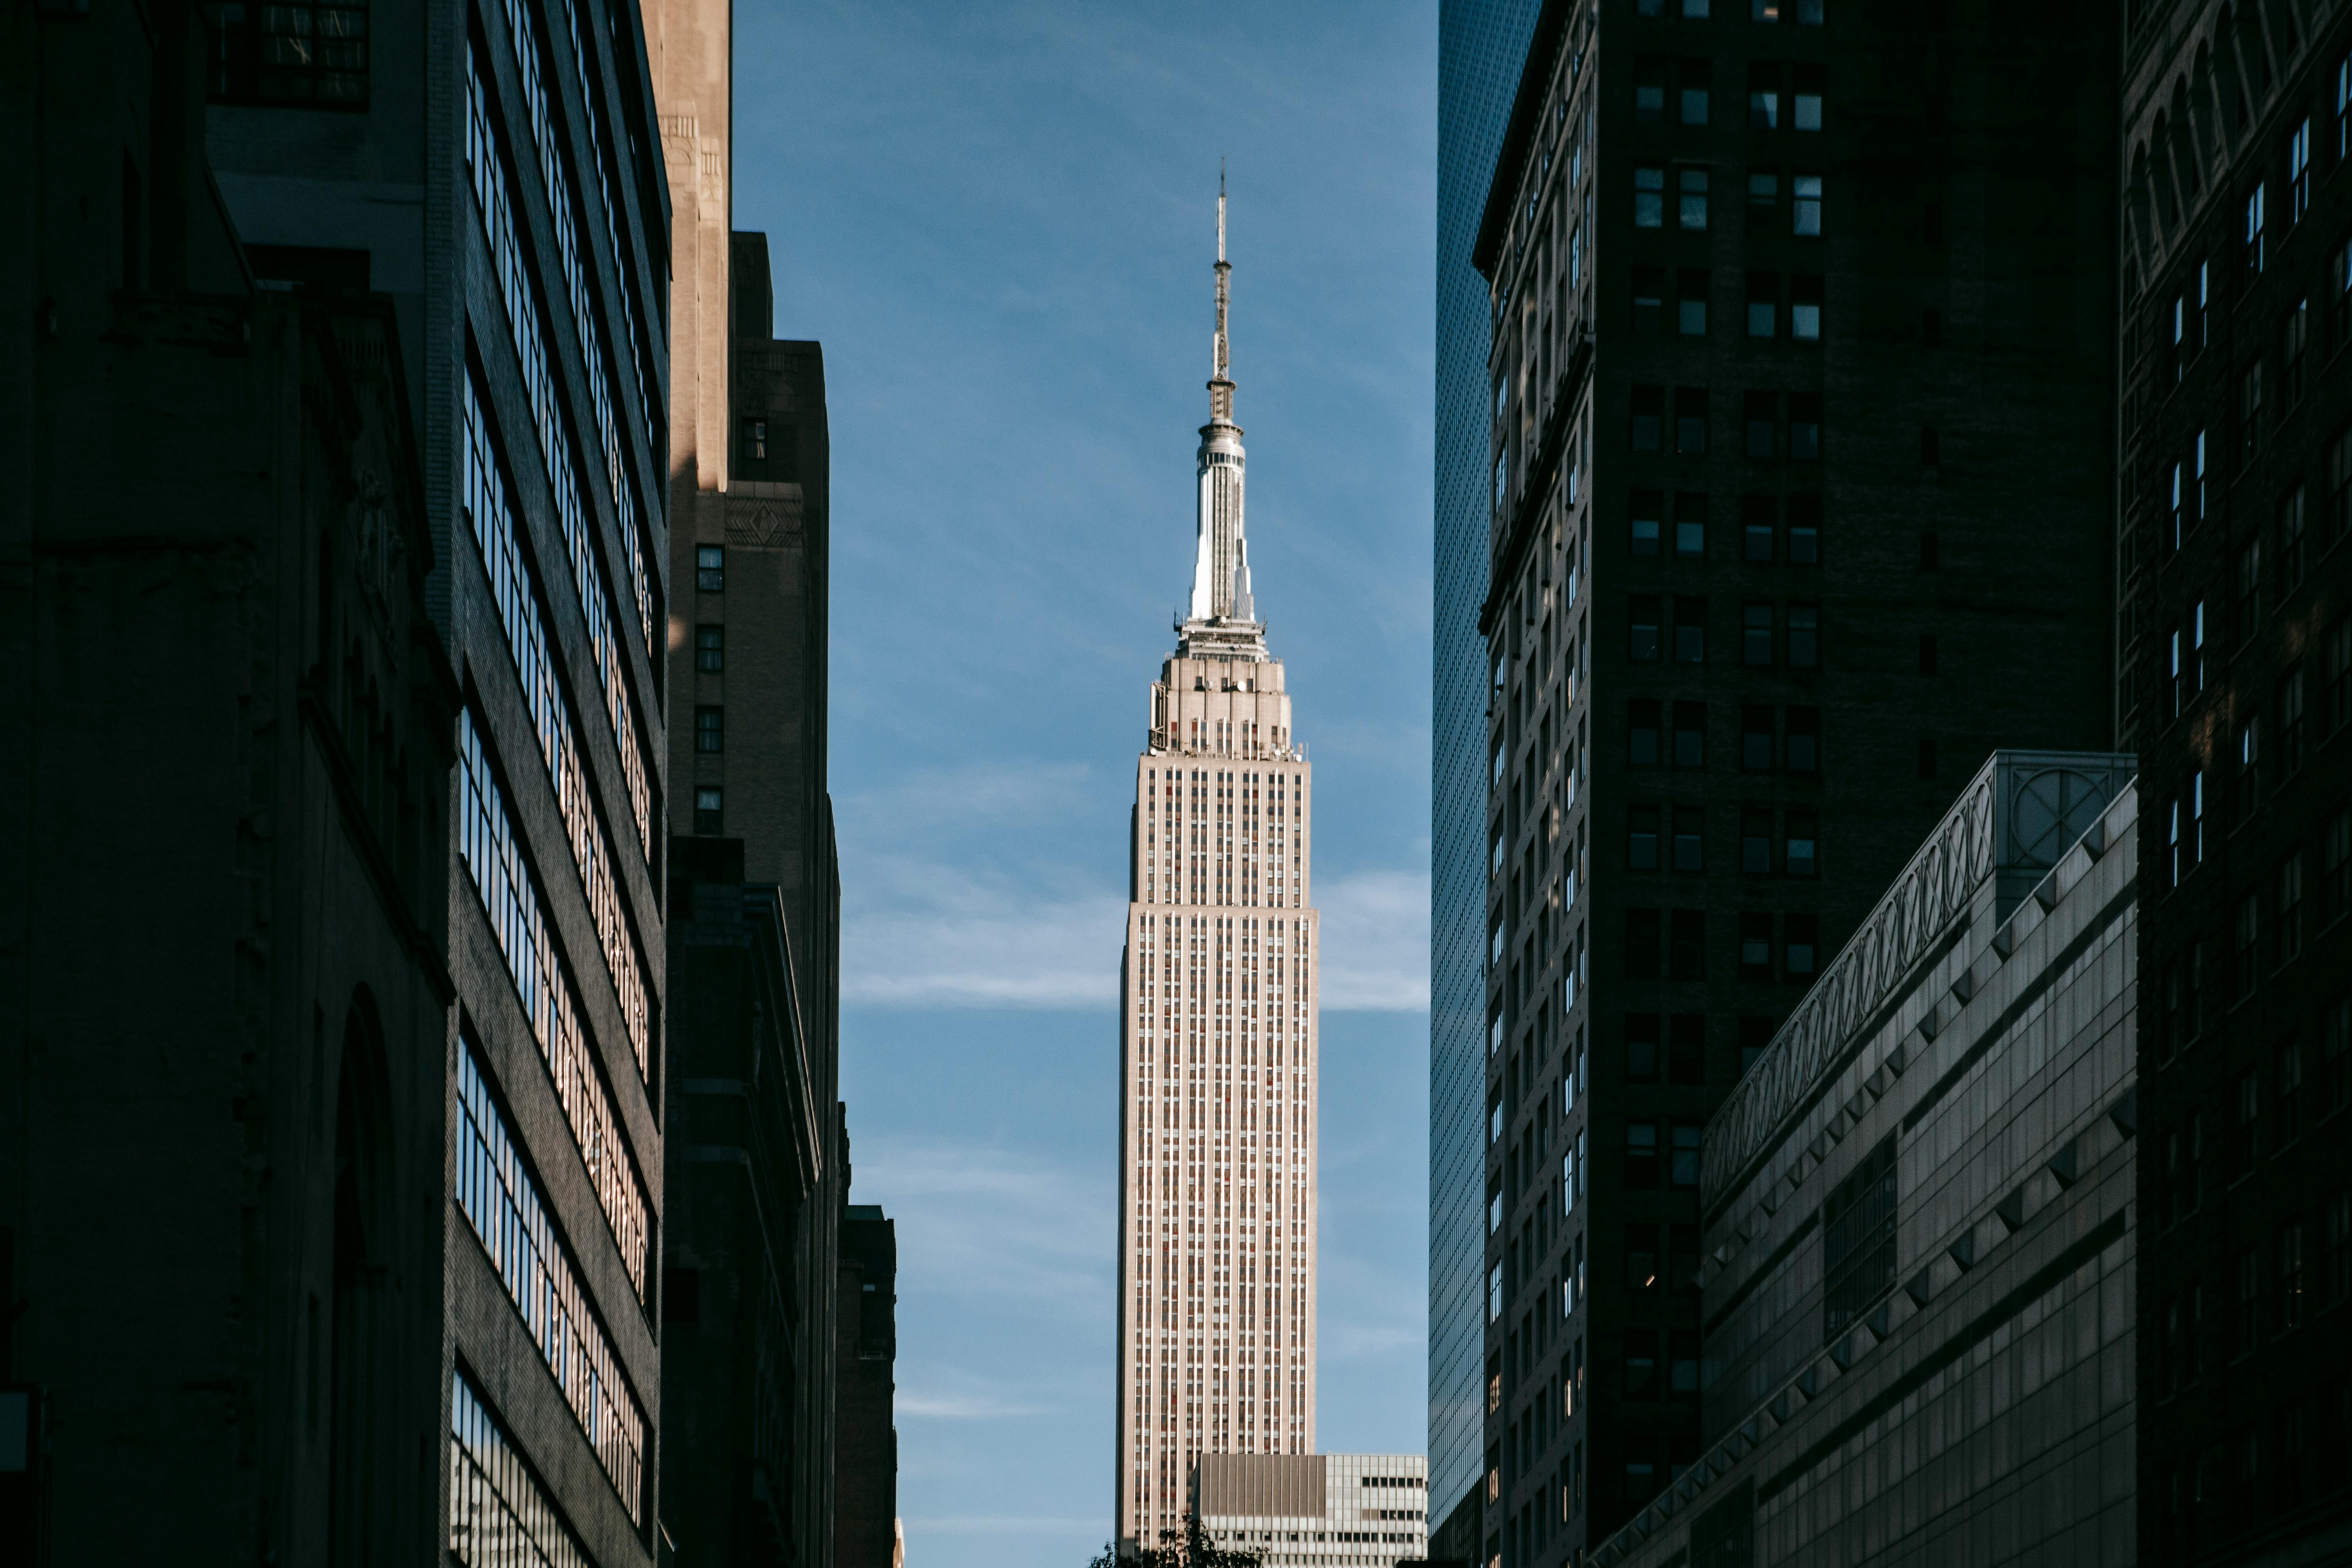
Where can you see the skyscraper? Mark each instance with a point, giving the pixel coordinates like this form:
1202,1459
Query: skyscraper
2235,629
1480,46
1217,1032
1798,450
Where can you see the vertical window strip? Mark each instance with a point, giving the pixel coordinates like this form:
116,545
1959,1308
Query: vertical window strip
493,857
511,585
509,1217
499,1516
526,316
523,31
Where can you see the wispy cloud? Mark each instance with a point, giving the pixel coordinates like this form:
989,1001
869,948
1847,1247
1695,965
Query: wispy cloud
1375,941
962,1408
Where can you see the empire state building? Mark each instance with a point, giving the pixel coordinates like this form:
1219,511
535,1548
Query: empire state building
1217,1038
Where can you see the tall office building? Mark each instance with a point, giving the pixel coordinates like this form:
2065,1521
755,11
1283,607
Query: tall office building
490,167
414,1148
2235,686
759,1157
1480,46
1217,1034
225,1081
1800,446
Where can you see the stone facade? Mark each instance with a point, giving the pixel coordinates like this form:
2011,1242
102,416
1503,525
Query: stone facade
2234,683
1315,1511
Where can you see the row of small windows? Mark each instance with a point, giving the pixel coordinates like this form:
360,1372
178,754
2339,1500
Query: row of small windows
1761,541
1650,742
1761,423
1691,188
1803,13
1689,84
1766,294
1663,626
1660,837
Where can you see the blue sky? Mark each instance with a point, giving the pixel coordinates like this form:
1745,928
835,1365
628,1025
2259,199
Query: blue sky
999,220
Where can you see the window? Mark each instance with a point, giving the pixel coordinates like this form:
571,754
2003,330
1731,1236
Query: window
1690,199
1649,417
1755,737
2295,338
1641,1048
1804,307
1642,644
2286,937
1763,200
1756,634
1803,840
2287,1092
2339,675
1804,636
2254,230
2242,1143
2298,173
1757,419
2247,931
2248,791
1690,630
1755,1040
1802,951
2335,869
1642,944
1650,91
710,809
1805,101
1756,529
755,440
1689,838
1858,1240
1690,734
1763,97
1805,531
306,53
1647,507
1804,740
1642,838
1641,732
1755,948
1692,103
2337,1212
1649,298
2249,411
1641,1154
1690,419
710,568
710,649
1649,196
1690,524
1805,205
1804,427
1688,956
710,729
2287,1298
1763,304
2245,1318
1684,1154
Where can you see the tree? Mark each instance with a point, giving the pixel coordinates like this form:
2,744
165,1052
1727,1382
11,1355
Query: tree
1193,1549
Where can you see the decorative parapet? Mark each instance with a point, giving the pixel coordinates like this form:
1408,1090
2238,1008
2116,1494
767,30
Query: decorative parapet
2018,816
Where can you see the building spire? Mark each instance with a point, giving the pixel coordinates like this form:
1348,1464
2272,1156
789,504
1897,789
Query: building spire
1221,622
1221,384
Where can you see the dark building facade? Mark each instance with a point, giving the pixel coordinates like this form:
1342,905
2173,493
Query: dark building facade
1920,1217
1481,45
490,168
759,1154
866,1529
1800,446
227,1323
2235,687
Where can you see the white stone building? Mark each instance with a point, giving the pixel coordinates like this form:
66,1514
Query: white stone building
1217,1036
1315,1511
